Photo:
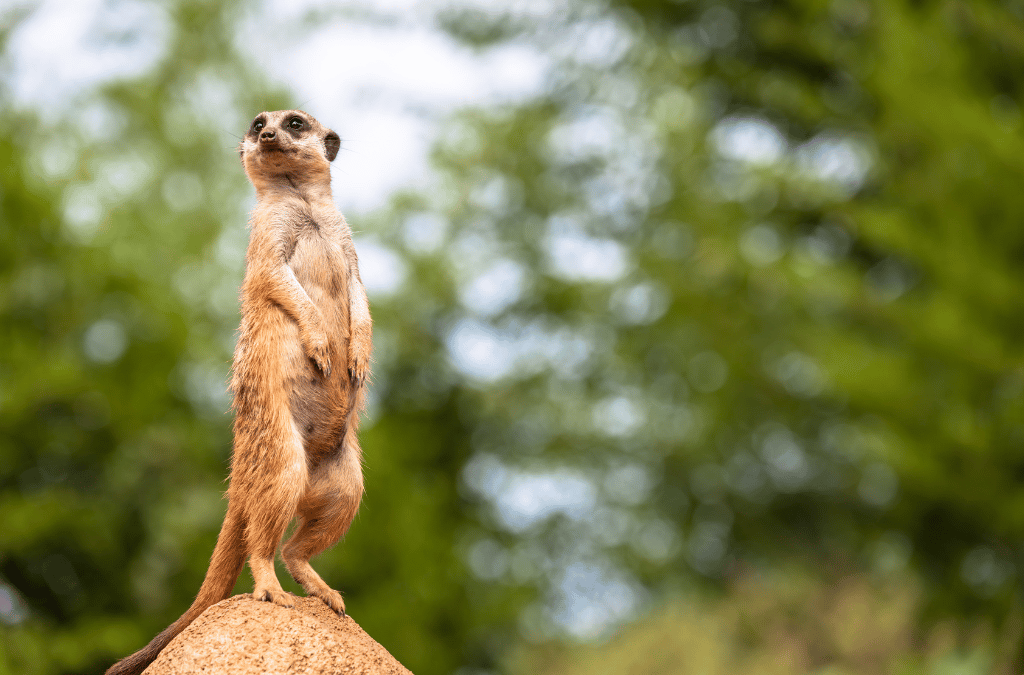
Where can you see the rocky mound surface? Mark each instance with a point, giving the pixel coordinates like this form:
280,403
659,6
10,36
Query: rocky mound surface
243,636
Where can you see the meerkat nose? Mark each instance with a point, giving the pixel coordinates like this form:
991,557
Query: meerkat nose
268,135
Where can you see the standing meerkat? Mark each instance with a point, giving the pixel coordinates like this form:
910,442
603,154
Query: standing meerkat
300,366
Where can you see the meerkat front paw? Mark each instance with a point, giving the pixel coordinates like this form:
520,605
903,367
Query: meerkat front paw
358,371
359,360
318,349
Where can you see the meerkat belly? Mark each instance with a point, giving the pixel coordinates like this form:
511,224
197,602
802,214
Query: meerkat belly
319,404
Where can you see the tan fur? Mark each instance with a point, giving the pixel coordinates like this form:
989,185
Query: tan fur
300,366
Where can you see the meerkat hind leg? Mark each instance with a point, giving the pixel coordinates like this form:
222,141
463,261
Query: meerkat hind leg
327,509
273,507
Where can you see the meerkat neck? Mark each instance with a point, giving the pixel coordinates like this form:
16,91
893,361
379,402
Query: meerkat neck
309,191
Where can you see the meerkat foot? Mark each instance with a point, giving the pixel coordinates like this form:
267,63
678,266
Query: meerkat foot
332,599
278,597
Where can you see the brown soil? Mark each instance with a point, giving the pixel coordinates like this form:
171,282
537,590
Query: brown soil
243,636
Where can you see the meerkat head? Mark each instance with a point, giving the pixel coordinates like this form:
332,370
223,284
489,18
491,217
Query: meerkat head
289,146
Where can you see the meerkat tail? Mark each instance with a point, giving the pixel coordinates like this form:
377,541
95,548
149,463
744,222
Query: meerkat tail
225,566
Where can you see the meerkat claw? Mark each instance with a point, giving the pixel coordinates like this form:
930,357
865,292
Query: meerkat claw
323,363
358,372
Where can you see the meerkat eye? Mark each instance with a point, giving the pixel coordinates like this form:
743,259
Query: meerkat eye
295,123
257,125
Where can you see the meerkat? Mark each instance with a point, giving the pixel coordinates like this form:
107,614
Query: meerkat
300,367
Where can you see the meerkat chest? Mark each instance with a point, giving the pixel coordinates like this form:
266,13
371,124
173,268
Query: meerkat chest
318,258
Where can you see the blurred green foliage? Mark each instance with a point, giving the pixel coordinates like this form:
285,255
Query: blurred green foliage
787,622
739,288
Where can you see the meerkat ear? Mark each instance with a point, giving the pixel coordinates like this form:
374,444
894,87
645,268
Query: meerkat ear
332,144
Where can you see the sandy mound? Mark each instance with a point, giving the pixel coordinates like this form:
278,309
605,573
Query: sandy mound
243,636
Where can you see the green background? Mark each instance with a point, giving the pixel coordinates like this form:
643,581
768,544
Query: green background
758,341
